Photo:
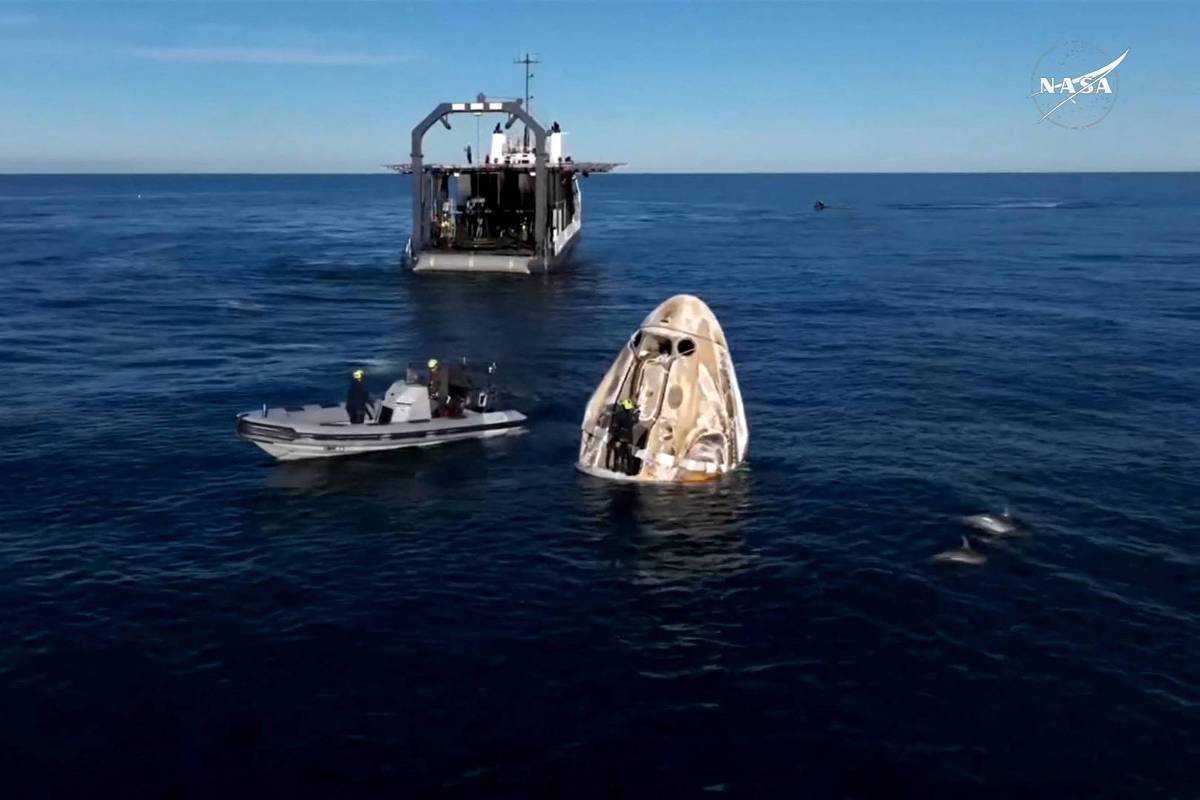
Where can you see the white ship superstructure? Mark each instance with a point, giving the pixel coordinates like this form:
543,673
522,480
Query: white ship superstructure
518,210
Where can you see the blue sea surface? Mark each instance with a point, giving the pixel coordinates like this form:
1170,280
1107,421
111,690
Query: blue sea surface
182,617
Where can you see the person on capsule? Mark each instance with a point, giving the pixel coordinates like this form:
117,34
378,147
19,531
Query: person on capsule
620,435
357,398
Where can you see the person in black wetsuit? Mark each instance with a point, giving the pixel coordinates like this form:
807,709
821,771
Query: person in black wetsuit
357,398
439,388
620,435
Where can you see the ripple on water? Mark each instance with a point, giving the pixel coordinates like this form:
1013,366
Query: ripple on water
483,617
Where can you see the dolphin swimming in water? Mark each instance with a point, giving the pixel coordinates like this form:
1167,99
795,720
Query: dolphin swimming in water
997,524
961,555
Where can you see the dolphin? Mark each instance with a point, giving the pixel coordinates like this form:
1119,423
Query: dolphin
1001,525
961,555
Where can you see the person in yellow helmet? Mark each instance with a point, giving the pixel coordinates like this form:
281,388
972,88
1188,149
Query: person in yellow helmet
620,435
357,398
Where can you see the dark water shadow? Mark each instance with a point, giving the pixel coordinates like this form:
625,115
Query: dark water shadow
399,473
670,535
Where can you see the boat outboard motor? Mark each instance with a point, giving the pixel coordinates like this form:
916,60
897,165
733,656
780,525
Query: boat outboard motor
405,402
479,398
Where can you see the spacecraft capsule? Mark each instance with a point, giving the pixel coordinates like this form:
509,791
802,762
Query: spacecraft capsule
669,408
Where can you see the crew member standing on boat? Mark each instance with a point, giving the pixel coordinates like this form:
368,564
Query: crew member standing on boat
439,387
357,398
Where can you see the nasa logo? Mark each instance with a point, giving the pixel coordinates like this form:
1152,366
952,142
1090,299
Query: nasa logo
1069,87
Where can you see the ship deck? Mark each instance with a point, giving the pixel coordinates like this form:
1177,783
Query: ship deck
585,167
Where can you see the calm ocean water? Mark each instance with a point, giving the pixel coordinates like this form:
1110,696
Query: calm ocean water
181,617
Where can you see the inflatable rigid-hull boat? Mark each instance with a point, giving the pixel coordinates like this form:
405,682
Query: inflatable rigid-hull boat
292,432
402,419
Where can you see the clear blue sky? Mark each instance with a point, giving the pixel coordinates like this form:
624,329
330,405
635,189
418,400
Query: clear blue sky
668,87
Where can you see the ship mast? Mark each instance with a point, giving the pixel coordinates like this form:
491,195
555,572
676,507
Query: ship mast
528,62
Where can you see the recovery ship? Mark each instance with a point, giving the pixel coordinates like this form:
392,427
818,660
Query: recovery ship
520,210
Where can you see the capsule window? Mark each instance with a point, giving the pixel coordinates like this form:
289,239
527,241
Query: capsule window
685,347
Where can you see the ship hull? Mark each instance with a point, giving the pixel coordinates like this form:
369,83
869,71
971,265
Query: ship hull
471,261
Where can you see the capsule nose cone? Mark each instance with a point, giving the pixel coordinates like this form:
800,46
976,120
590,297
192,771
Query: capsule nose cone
688,314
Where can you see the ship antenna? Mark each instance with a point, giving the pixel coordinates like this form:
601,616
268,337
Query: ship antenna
528,62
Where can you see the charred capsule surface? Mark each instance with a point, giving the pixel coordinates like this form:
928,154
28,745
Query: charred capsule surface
669,408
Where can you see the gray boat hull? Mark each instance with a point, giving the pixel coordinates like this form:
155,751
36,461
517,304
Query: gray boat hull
313,431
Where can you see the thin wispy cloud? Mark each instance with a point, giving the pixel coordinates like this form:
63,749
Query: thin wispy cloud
266,55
